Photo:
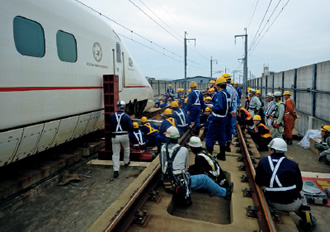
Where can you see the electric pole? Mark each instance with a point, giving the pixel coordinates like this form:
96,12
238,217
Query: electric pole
185,60
211,61
245,74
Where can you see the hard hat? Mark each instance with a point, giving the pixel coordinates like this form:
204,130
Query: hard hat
271,95
185,100
160,98
220,80
212,89
207,109
144,119
249,89
121,104
231,82
258,91
189,90
277,94
236,83
167,112
195,142
212,81
325,128
252,90
257,117
287,93
193,84
172,133
169,85
208,98
135,125
279,145
174,104
226,75
179,89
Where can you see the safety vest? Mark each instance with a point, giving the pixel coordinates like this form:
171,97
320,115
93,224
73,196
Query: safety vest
139,138
228,101
275,111
151,129
172,121
263,135
164,164
247,113
197,101
182,118
215,168
119,130
274,177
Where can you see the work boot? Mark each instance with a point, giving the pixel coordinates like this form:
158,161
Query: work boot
229,191
196,131
228,146
126,165
115,174
289,141
307,220
209,149
222,154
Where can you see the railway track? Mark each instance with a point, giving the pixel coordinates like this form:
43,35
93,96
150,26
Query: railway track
136,213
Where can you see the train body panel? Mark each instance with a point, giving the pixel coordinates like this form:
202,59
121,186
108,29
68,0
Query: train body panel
63,76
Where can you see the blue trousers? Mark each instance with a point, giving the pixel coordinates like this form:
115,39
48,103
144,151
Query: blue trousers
233,122
202,181
194,116
218,131
160,139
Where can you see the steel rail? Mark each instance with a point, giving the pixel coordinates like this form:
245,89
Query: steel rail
265,219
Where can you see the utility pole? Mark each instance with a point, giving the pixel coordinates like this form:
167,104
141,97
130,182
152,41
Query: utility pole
185,60
211,61
245,74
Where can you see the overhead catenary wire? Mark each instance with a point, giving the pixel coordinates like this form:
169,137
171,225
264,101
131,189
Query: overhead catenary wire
253,14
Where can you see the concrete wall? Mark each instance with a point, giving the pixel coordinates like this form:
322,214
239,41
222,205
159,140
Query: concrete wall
159,87
310,88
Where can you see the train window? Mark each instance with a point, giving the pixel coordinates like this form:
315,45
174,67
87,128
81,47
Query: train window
66,46
118,52
29,37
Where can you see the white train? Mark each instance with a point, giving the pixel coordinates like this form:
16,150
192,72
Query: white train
53,57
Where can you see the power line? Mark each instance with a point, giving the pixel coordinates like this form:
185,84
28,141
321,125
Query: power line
253,14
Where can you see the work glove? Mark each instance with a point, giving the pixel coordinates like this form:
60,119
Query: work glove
277,125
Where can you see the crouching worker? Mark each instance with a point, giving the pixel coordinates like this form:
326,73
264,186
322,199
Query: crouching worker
137,138
174,162
244,117
325,133
206,163
150,130
260,134
282,181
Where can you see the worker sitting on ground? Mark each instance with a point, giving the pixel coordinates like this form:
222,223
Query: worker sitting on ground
244,118
137,138
167,122
206,163
260,134
213,94
208,101
325,132
180,117
282,181
162,103
150,130
205,121
326,153
174,163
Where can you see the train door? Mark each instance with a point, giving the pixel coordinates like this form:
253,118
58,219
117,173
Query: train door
118,66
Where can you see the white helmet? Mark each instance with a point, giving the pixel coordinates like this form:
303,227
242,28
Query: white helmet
279,145
195,142
172,133
277,94
271,95
252,90
121,104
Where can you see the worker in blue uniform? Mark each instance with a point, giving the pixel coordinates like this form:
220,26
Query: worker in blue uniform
239,93
150,130
194,105
282,180
170,92
137,138
220,121
207,101
205,121
167,122
120,126
180,117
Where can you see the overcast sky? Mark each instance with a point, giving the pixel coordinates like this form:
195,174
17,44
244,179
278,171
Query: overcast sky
300,35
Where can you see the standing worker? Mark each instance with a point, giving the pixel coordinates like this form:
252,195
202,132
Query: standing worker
180,117
121,125
170,92
282,180
289,117
254,104
194,105
277,116
269,109
221,120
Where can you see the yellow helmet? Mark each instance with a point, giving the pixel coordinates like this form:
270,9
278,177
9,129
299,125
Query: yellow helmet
249,88
212,89
174,104
185,100
193,84
169,85
207,109
231,82
277,94
287,93
236,83
144,119
220,80
135,125
167,112
258,91
226,75
189,90
208,98
212,81
257,117
325,128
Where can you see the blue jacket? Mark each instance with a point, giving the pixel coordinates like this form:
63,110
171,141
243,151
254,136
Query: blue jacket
125,122
137,137
239,92
166,124
288,174
195,100
222,104
153,131
183,119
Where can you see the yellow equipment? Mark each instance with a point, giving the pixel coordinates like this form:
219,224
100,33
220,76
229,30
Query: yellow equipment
207,109
193,84
220,80
257,117
174,104
167,112
325,128
212,81
135,125
226,75
287,92
144,119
